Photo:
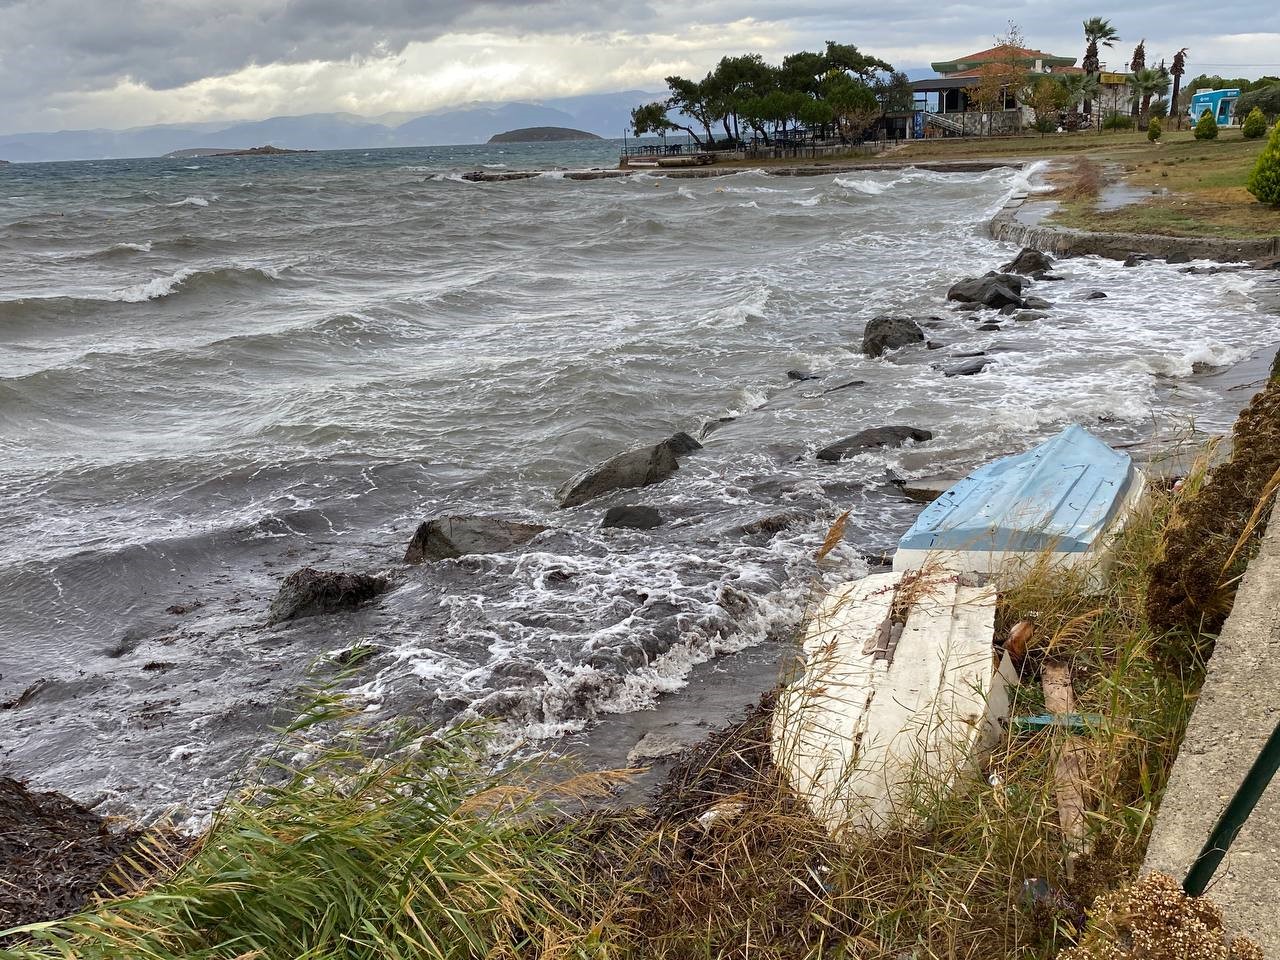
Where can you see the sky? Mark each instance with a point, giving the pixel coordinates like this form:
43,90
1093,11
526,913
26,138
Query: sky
71,64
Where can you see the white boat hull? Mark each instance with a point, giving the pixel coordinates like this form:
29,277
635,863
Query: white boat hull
862,738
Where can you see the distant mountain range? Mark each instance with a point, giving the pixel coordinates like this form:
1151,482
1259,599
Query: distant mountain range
604,114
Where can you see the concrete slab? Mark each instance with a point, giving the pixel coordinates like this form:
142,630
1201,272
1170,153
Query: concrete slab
1238,708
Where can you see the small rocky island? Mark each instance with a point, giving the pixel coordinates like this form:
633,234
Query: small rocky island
542,135
264,151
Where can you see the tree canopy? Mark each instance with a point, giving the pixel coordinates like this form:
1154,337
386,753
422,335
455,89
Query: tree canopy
840,90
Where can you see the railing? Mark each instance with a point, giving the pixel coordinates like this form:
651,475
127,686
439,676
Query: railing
943,122
755,149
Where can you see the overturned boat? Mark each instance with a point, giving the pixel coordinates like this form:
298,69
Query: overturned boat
901,694
1066,500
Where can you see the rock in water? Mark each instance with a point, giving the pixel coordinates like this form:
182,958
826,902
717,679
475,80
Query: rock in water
310,593
633,517
968,368
636,468
1178,256
1028,262
996,291
445,538
893,436
889,333
682,444
1095,295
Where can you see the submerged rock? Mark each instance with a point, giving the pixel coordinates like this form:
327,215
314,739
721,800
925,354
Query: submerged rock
801,375
889,333
893,436
446,538
1178,257
635,468
1036,303
988,327
1026,316
968,368
1134,259
994,290
1028,262
632,517
310,593
1095,295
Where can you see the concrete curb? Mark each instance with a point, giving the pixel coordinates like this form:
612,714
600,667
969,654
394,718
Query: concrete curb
1238,708
1008,225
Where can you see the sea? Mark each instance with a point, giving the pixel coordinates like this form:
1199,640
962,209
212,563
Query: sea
216,371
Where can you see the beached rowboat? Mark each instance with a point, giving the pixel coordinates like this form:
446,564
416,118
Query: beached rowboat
900,696
1068,498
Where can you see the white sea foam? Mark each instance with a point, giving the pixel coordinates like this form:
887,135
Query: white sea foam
869,187
153,289
191,202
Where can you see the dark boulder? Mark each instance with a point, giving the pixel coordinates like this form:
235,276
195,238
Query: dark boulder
632,517
1026,316
681,444
1046,277
989,327
447,538
1036,303
801,375
1028,262
991,291
311,593
1134,259
1095,295
894,436
889,333
968,368
774,523
1178,257
635,468
845,386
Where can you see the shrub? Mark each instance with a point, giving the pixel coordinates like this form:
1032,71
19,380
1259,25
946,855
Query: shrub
1154,130
1045,125
1206,127
1264,182
1255,125
1160,108
1118,121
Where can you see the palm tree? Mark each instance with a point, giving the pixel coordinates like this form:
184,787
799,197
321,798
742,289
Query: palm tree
1145,83
1096,31
1136,63
1179,68
1078,87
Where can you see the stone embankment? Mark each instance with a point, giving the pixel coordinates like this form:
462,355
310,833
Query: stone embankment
1238,708
1021,221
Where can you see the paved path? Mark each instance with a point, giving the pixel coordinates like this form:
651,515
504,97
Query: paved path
1237,710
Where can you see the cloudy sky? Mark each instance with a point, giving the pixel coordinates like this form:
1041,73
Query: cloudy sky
115,63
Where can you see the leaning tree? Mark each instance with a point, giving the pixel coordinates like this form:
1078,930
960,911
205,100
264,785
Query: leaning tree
1177,70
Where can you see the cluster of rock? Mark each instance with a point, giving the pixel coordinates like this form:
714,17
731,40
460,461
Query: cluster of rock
311,592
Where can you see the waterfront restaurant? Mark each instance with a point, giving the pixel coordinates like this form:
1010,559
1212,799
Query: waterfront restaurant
946,104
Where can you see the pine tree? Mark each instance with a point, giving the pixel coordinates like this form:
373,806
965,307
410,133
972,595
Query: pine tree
1206,127
1264,182
1255,125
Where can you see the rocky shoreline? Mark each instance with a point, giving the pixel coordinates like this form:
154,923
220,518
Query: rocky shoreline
998,299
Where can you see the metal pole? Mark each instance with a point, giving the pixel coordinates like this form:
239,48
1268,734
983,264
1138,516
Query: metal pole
1233,817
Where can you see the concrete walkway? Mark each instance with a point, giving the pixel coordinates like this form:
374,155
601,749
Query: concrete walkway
1237,710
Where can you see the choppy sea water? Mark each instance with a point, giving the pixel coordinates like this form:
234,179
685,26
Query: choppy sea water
214,372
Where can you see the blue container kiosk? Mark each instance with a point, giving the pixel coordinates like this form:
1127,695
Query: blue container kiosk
1221,105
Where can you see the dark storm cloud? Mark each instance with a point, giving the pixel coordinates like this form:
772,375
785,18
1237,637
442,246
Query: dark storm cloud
52,50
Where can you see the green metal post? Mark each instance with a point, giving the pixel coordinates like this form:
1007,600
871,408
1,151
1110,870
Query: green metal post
1233,817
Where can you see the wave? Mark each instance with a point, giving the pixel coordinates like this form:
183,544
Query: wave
159,287
185,279
869,187
191,202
